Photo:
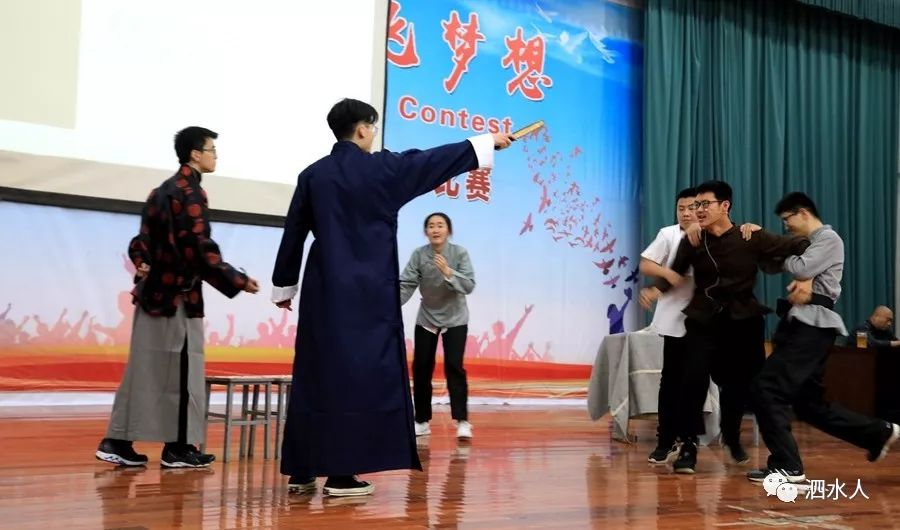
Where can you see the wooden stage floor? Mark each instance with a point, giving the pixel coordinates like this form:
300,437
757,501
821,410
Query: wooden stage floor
525,468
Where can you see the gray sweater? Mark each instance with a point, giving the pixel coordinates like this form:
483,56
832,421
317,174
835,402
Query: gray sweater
823,261
443,300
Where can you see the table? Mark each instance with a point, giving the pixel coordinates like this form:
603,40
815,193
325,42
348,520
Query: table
625,383
852,377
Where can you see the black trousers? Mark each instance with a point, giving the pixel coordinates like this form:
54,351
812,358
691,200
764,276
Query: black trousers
674,357
423,370
887,393
792,377
730,351
184,397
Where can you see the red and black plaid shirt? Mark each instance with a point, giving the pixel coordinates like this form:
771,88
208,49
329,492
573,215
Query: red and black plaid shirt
175,242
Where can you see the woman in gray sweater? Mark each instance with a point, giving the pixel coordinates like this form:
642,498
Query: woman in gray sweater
443,273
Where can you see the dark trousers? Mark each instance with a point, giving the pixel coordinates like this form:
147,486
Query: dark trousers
730,351
792,376
423,370
184,397
674,357
887,393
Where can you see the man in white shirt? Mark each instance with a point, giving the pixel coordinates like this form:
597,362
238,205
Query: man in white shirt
668,320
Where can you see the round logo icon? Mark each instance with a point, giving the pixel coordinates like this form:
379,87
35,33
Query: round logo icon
786,492
772,481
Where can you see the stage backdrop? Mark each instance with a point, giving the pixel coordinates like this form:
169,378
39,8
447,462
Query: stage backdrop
552,231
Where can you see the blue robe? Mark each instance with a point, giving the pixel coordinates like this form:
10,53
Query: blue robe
350,409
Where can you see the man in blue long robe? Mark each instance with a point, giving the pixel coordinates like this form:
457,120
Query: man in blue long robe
350,409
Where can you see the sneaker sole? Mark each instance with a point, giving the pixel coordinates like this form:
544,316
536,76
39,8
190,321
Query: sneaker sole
671,456
182,465
349,492
118,460
685,471
426,433
895,434
302,488
793,480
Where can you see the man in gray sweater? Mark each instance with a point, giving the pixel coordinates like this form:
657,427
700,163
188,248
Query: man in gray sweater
792,375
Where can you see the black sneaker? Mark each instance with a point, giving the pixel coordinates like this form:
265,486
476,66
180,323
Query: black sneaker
302,485
347,486
687,459
886,440
204,457
792,476
736,453
184,456
663,453
119,452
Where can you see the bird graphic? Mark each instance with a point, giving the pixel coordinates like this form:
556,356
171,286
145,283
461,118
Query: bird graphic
605,53
527,226
604,265
545,201
546,15
633,277
609,247
612,281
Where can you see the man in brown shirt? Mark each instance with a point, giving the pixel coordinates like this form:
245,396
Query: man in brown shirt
725,325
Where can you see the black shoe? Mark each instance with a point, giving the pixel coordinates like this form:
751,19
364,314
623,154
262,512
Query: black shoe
302,485
119,452
176,455
203,457
687,458
792,476
736,453
347,486
890,435
663,453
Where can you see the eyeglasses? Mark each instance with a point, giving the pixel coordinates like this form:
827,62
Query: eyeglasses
788,216
211,149
374,128
702,205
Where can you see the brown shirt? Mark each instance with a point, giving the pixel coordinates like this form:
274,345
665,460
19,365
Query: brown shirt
725,270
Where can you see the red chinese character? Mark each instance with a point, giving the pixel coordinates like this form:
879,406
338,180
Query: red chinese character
449,188
526,59
408,57
463,41
478,185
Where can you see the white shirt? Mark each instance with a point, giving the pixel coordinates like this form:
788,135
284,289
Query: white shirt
668,320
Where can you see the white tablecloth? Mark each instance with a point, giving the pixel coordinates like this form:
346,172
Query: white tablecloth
625,383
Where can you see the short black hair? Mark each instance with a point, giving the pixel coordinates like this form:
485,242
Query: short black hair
686,193
346,113
442,215
190,139
719,188
794,201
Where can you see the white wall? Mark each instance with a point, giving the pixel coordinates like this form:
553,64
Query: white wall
263,75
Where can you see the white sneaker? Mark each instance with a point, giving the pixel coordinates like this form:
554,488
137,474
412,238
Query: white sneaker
464,430
422,429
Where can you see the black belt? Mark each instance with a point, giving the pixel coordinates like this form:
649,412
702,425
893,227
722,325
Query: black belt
783,306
